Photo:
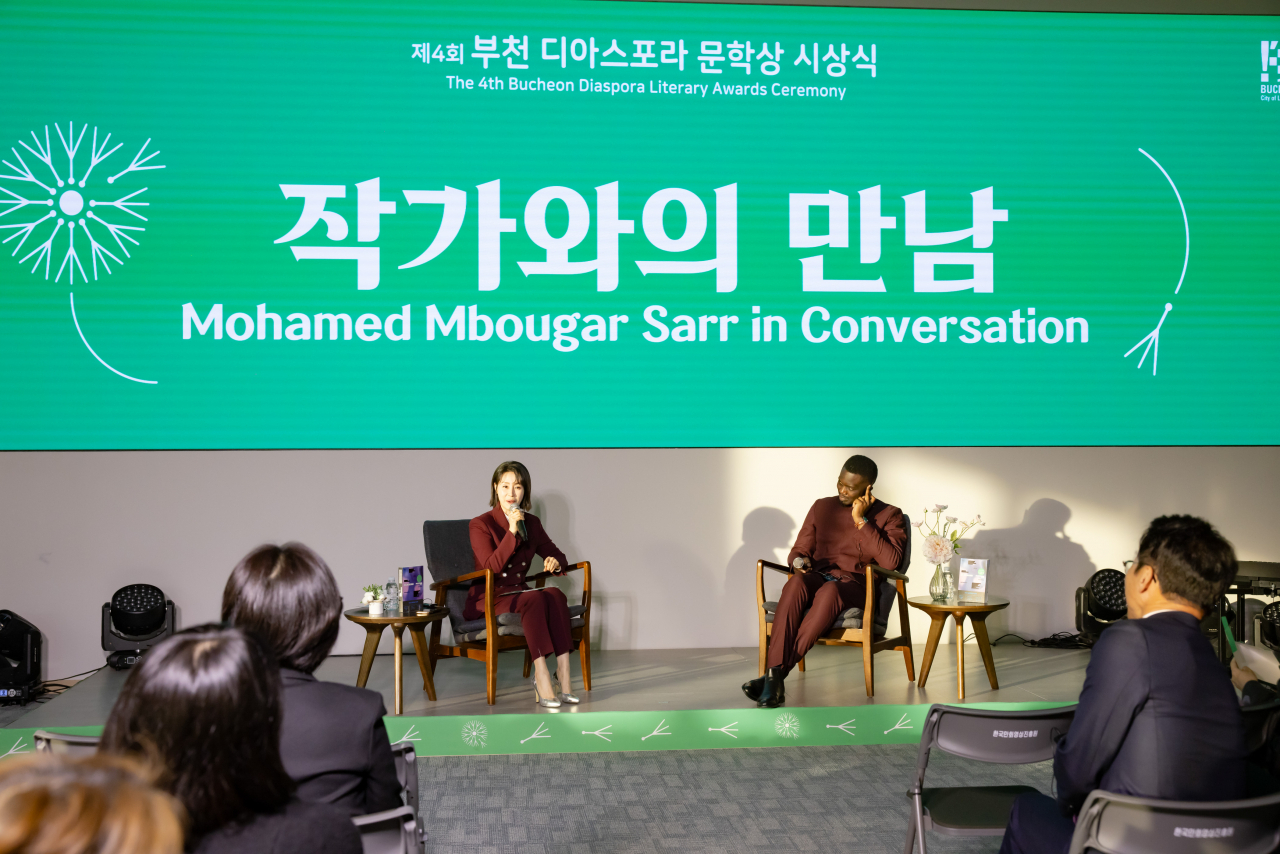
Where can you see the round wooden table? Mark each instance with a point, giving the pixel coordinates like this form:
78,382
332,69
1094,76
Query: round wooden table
416,624
977,612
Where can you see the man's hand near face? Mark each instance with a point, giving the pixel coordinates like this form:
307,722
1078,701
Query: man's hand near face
860,506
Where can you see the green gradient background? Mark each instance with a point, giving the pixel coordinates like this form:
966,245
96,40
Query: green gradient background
1051,109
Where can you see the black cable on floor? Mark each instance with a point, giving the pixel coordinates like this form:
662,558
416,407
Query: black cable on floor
50,688
1058,640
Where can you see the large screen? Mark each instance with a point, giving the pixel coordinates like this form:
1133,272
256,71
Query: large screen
596,224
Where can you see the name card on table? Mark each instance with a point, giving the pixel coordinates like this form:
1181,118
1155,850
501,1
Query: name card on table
972,585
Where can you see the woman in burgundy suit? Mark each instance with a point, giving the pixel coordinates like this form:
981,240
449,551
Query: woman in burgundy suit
505,541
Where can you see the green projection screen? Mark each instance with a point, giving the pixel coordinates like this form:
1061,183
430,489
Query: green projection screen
594,224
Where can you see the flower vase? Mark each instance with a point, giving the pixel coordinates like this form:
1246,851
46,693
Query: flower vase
939,585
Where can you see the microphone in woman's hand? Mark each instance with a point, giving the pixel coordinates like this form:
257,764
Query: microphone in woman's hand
524,534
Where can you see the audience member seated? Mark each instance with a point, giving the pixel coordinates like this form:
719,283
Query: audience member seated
1253,691
1157,716
840,537
505,540
205,705
54,804
332,740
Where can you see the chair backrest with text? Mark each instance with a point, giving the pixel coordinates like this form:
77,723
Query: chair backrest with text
1002,737
1123,824
448,545
57,742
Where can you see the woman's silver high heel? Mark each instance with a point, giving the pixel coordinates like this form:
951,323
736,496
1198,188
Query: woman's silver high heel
546,703
566,697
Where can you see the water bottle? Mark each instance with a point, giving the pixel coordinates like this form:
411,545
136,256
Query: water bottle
391,595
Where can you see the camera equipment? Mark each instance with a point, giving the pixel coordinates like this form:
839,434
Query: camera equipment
137,618
1100,602
20,650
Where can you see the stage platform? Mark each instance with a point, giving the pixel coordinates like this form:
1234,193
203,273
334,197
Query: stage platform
657,680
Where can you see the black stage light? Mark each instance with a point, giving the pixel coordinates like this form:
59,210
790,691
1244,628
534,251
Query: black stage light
1100,602
20,648
1271,628
137,618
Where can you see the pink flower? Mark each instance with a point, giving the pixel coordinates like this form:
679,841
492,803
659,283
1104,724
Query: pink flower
938,508
952,519
937,549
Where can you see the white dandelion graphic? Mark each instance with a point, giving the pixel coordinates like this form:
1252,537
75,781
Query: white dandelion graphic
474,733
87,225
787,725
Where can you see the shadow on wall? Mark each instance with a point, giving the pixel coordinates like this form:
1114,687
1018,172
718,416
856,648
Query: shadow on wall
556,512
1034,565
765,531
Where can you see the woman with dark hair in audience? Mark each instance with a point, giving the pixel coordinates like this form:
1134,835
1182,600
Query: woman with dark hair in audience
205,706
333,740
505,540
57,804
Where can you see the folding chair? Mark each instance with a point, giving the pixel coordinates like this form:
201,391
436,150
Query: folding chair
72,745
406,758
987,735
390,832
1123,824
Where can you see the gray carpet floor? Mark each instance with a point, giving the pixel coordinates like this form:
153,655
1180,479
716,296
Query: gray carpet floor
828,799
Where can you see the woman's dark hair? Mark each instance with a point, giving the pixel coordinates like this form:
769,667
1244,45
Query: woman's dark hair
1191,559
521,473
204,706
286,596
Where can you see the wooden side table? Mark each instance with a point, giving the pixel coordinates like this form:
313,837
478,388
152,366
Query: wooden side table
416,624
977,612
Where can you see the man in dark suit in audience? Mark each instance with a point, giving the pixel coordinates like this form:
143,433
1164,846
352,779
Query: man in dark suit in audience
1157,716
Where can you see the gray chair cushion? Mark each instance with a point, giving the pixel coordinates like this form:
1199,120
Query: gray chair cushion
509,628
850,618
508,619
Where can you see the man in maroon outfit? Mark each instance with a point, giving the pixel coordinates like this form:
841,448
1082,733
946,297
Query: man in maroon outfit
840,537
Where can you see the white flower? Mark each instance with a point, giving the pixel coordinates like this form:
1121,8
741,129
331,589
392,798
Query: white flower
937,549
787,725
952,519
917,524
938,508
368,597
475,733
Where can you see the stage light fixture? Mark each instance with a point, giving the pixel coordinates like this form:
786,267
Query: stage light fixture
21,645
137,618
1100,602
1270,626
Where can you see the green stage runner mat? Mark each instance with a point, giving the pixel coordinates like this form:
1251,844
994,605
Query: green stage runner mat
571,731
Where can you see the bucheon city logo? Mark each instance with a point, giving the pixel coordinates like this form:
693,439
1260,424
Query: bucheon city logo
1270,73
72,220
68,207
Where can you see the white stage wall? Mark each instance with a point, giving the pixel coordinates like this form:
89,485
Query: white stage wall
673,534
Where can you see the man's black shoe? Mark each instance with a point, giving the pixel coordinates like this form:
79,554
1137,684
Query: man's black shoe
753,688
774,691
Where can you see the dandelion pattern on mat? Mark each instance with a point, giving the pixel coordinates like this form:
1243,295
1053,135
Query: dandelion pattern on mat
474,733
787,725
52,179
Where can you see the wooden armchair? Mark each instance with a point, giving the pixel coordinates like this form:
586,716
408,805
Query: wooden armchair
452,564
851,628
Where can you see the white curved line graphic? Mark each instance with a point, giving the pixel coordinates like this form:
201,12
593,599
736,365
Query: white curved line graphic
95,355
1185,224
